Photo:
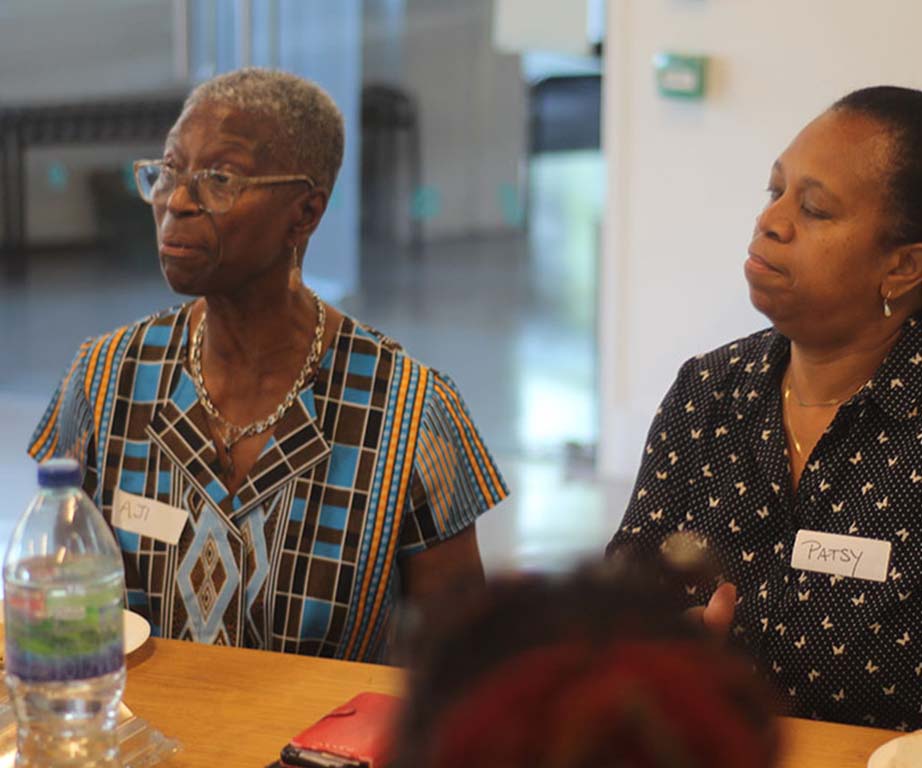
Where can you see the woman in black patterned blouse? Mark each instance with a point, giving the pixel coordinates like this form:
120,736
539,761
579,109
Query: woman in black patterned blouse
795,455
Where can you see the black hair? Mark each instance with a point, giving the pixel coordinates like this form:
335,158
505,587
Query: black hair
899,110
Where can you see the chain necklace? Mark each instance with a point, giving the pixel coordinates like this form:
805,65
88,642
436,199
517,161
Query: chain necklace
819,404
786,411
230,434
822,404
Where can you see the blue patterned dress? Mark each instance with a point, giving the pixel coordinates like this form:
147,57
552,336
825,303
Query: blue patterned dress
378,459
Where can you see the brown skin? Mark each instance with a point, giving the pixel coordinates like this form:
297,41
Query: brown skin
819,268
261,318
717,615
455,561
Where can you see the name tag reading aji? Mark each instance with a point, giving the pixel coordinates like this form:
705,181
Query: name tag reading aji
841,555
147,517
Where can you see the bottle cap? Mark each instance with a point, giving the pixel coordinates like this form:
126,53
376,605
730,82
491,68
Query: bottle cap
60,473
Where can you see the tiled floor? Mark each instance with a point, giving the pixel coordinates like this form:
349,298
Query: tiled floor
511,319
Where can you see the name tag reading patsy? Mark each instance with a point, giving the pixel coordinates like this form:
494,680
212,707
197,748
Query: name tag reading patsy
147,517
841,555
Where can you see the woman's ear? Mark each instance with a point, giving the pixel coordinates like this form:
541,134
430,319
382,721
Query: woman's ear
905,273
311,207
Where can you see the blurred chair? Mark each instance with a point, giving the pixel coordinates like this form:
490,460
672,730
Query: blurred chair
391,163
565,113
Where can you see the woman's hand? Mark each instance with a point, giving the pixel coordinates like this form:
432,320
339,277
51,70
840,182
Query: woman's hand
717,615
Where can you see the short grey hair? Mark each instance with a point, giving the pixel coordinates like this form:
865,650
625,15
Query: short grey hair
311,129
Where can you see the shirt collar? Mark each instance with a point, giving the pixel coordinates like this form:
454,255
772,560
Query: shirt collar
896,387
179,425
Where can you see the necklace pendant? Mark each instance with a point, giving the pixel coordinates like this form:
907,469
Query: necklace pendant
227,444
230,434
225,436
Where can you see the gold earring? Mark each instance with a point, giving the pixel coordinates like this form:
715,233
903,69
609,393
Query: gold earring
887,311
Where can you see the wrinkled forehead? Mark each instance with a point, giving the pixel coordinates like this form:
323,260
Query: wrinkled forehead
209,125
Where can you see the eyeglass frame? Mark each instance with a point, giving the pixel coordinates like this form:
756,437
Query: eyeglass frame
185,177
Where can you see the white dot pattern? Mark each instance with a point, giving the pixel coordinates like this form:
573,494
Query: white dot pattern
716,463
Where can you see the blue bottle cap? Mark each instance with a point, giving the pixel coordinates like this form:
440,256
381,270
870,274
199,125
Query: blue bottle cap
60,473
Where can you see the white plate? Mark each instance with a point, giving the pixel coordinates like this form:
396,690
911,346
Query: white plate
901,752
137,630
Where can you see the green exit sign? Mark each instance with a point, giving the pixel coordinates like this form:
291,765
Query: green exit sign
680,76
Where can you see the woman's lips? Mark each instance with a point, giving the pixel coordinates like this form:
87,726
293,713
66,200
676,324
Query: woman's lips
179,248
758,264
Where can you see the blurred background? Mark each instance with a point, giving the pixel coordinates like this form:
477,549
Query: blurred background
550,200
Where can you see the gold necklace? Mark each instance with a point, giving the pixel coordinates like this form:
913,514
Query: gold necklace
822,403
229,433
786,411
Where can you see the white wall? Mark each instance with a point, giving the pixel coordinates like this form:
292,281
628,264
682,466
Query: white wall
686,179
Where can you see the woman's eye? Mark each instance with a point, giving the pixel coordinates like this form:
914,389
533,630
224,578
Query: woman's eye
219,178
814,213
773,192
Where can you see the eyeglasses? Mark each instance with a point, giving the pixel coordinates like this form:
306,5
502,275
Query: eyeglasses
213,191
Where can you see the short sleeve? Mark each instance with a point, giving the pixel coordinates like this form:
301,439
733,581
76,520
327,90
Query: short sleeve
66,427
454,478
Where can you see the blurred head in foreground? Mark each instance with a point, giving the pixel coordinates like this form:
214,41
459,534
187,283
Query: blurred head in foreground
590,670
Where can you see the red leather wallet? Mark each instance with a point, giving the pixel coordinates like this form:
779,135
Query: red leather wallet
358,734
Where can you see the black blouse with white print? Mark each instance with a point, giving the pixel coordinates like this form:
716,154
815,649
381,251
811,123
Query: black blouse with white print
837,648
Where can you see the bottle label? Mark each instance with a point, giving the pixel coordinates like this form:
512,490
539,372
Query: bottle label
58,635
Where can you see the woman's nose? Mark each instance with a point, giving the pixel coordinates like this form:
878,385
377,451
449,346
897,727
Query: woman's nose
774,223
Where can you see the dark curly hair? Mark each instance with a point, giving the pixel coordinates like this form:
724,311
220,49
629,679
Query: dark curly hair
594,669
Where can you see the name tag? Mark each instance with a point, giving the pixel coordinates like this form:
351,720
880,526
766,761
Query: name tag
147,517
841,555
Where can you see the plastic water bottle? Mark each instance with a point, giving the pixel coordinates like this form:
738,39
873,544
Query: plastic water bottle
65,659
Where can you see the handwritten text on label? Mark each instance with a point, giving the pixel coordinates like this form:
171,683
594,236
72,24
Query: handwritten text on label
841,555
147,517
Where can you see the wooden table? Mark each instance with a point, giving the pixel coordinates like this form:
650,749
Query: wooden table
233,707
810,744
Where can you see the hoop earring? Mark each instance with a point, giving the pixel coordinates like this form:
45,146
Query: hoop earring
887,311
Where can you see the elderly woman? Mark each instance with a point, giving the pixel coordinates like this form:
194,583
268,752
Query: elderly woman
795,455
276,473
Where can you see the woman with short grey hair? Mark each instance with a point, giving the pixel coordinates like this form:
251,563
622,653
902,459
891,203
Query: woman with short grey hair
299,472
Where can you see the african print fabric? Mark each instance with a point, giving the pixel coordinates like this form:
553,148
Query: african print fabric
377,460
